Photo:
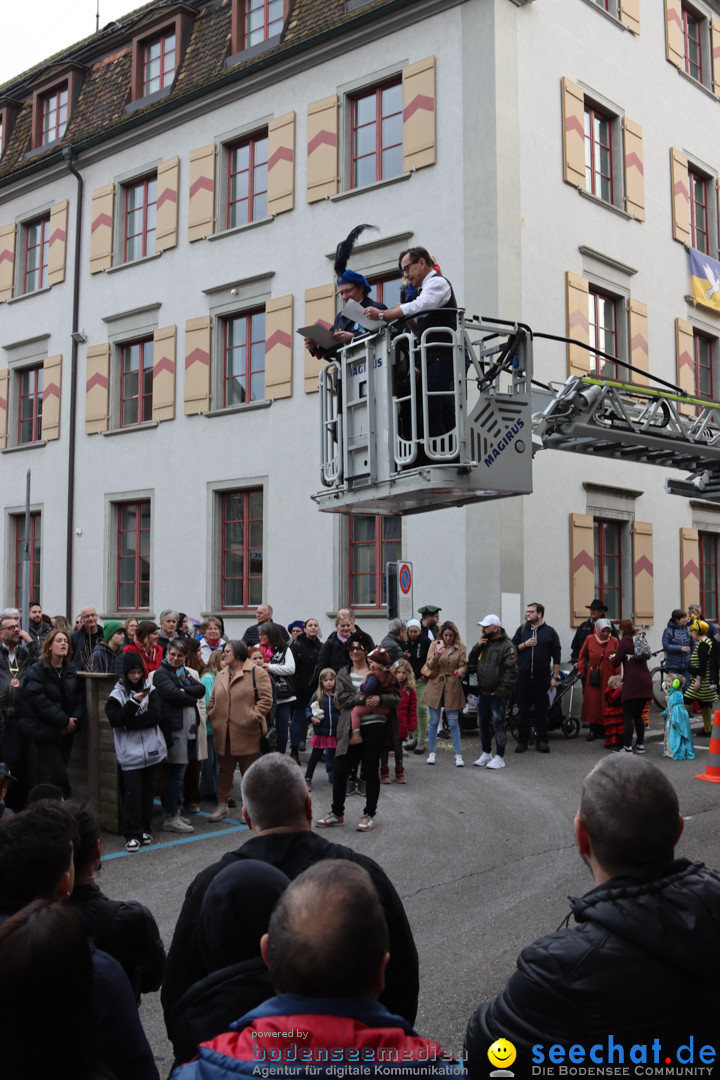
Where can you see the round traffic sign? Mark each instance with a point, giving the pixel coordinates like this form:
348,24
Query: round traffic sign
405,578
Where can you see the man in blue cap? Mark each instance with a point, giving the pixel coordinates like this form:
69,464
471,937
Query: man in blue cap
351,286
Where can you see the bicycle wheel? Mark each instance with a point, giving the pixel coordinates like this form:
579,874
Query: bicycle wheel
658,674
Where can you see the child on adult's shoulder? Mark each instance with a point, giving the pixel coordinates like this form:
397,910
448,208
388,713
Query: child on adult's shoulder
612,714
324,715
678,740
407,721
381,680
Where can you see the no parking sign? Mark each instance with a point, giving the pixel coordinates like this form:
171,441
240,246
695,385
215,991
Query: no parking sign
400,590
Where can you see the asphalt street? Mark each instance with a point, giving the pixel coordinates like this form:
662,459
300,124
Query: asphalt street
484,862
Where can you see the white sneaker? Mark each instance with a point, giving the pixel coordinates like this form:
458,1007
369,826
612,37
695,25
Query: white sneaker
176,824
483,759
430,759
459,761
496,763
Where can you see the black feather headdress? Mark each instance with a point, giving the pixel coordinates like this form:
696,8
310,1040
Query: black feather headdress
344,248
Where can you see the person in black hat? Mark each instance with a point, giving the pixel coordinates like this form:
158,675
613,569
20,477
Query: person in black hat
597,611
429,618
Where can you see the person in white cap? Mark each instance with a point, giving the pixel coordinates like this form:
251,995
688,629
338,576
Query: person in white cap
495,660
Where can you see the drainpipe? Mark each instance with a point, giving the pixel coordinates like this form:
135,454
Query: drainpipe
77,336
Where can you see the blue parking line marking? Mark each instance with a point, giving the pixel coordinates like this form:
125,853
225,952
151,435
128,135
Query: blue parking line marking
240,826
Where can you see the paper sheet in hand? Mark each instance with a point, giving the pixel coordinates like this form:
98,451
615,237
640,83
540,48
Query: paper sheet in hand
356,313
320,335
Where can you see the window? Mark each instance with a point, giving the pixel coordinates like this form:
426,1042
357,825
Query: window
263,19
242,548
387,290
30,385
703,365
133,556
136,382
34,553
603,331
376,136
247,181
36,235
697,189
140,215
607,543
158,63
244,358
709,574
374,541
692,43
54,114
598,154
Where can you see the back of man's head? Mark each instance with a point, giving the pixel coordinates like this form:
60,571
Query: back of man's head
327,935
88,828
630,810
274,793
35,851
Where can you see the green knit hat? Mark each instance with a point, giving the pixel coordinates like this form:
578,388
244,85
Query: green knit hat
111,627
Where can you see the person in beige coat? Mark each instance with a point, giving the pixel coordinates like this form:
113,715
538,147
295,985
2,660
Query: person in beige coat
239,703
445,669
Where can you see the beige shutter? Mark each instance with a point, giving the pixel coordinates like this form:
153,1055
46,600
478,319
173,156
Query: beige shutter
278,347
7,261
685,361
201,211
715,50
4,389
52,383
97,389
643,590
281,164
634,170
573,119
639,350
319,308
322,148
163,393
690,567
418,86
630,15
167,204
680,196
576,303
101,228
582,566
197,365
58,244
674,48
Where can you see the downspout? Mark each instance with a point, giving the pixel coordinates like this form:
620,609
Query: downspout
68,154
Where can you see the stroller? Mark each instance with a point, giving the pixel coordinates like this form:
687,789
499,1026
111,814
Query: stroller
560,713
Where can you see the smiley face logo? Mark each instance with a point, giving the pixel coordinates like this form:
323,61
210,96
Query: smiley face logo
502,1053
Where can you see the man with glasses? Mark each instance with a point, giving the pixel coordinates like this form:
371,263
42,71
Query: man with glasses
16,658
84,640
351,286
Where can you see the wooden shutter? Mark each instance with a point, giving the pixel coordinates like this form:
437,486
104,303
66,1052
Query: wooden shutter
4,388
639,351
630,15
101,228
197,365
167,204
319,308
680,196
573,119
690,567
7,261
278,347
97,389
576,302
685,361
715,50
52,382
201,211
582,566
643,585
163,393
634,170
418,86
58,244
674,47
322,148
281,164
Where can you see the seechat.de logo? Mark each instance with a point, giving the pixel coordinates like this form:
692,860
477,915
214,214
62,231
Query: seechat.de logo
502,1054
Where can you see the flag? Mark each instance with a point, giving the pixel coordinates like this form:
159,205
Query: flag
705,279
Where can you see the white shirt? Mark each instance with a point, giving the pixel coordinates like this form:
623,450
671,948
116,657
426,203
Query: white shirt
434,292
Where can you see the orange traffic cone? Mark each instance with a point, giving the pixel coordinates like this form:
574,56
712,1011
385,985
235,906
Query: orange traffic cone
712,772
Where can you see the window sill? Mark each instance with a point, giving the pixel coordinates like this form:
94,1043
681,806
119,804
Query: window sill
131,427
150,99
27,295
241,228
134,262
23,446
695,82
608,15
247,406
54,144
606,205
252,50
369,187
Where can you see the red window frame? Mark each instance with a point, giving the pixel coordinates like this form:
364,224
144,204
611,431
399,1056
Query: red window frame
37,254
697,187
368,555
379,144
598,142
703,365
692,44
241,535
139,219
708,549
606,558
30,388
35,552
136,377
242,366
54,112
254,201
387,289
603,332
264,14
163,49
133,556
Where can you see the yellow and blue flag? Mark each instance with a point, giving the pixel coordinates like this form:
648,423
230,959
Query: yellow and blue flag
705,279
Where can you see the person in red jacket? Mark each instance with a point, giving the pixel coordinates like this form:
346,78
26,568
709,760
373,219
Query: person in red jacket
407,722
